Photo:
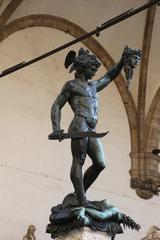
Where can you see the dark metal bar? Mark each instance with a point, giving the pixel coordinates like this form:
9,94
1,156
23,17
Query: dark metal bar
96,31
11,69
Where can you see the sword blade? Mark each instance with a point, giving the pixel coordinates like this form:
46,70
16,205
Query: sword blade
74,135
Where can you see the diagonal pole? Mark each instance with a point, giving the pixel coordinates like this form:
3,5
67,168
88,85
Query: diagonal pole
96,31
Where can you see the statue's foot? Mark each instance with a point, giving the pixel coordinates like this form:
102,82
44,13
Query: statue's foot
83,202
51,136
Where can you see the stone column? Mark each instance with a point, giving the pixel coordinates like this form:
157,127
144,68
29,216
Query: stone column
145,176
85,234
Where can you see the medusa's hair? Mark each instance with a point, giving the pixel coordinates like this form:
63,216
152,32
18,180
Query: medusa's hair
81,62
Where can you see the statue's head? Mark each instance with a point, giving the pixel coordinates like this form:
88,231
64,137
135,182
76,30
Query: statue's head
154,232
84,62
132,56
31,230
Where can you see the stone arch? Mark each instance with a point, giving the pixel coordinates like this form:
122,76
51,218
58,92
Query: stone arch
153,123
43,20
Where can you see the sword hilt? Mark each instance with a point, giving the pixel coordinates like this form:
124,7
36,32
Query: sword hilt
60,135
56,135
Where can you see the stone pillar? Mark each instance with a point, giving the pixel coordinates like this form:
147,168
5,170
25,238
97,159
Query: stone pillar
85,234
145,176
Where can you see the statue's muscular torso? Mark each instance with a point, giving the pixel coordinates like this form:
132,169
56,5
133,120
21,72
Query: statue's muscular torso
84,103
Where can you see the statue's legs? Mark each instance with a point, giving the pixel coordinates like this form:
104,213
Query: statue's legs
79,151
96,153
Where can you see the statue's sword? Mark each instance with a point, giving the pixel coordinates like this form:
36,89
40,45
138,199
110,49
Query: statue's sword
73,135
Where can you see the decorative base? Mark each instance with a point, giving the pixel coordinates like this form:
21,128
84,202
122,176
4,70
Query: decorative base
100,216
85,234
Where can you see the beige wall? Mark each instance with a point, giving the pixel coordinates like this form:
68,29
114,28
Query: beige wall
34,172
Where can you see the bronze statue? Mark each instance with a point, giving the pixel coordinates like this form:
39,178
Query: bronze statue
30,233
81,94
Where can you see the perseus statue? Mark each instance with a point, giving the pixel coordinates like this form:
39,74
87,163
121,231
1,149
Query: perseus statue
81,94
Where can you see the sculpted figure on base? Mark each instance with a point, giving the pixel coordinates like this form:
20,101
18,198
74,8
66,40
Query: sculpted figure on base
153,234
81,94
105,218
30,233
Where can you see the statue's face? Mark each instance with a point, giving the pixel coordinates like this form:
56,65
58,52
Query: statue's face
134,61
90,71
31,229
87,65
91,68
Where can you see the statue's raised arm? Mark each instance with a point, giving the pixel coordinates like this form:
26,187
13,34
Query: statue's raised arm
110,75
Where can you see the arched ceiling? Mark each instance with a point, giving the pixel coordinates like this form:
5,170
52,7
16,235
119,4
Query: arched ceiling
88,15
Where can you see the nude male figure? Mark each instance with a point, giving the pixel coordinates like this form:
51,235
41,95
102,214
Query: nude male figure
81,94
